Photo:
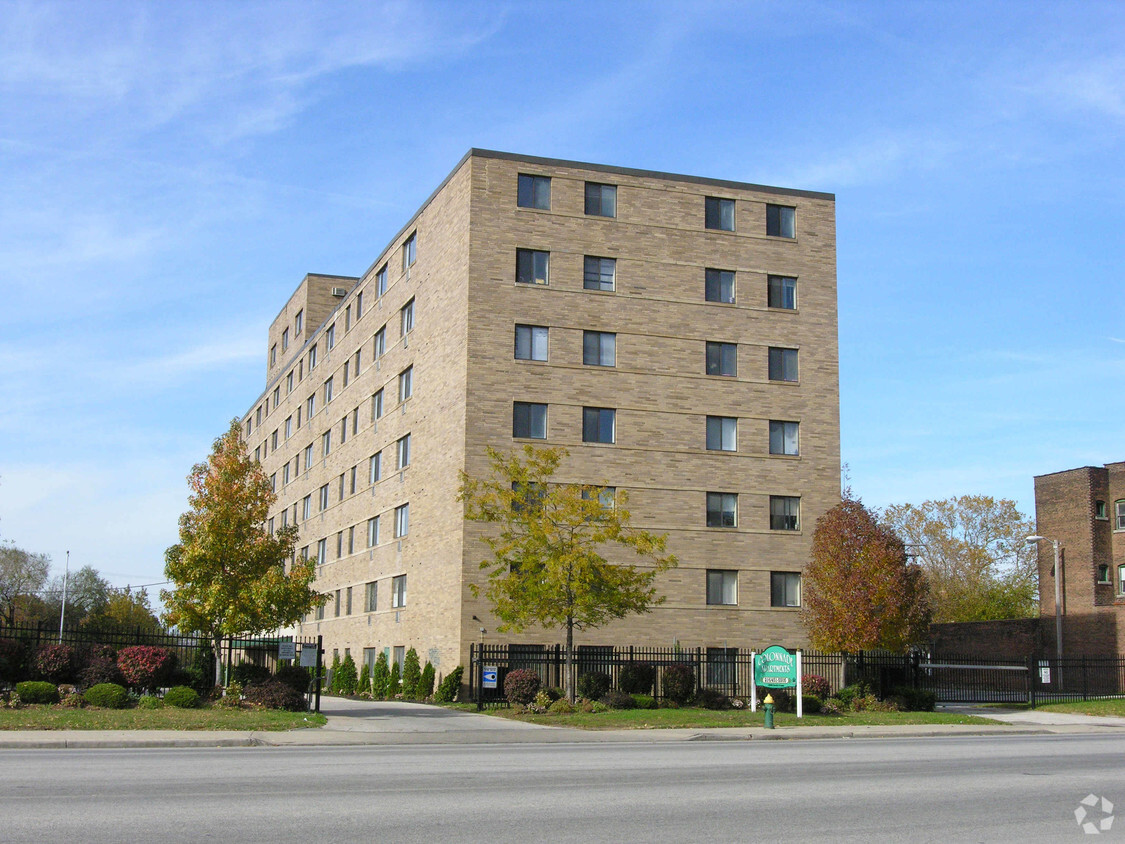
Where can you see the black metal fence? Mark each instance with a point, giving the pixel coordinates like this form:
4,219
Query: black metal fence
952,678
262,651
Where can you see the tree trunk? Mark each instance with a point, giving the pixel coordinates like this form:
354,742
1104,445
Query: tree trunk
217,646
570,659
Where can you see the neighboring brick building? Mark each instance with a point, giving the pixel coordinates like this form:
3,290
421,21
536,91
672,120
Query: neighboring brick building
676,334
1084,509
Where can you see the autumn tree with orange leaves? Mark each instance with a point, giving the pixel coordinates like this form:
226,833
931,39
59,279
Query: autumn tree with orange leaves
228,569
860,591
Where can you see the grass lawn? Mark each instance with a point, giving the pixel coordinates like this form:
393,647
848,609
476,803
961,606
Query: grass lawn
1114,706
655,719
168,718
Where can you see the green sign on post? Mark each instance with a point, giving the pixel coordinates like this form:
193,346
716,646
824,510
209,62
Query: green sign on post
775,668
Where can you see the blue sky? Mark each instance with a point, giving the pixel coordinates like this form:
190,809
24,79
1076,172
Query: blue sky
171,171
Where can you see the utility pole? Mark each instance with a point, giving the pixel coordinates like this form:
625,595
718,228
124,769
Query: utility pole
62,613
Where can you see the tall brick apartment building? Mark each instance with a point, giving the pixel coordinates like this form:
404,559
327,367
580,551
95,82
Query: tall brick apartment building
1084,509
676,334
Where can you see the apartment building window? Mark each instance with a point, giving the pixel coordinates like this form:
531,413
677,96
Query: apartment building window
298,322
330,338
323,498
306,507
403,452
273,354
719,286
381,281
249,427
339,547
407,317
527,497
371,597
1119,514
348,318
351,480
1099,510
269,526
601,200
398,597
320,613
285,339
337,604
532,266
377,405
722,359
355,421
298,417
258,417
347,371
285,514
273,440
781,221
380,346
348,601
310,406
1103,573
322,552
312,358
783,364
785,512
785,589
285,474
531,342
326,443
599,424
344,430
529,420
289,382
406,383
782,292
308,456
342,484
305,553
599,273
1121,580
599,348
722,587
372,531
533,192
402,520
276,396
358,305
355,362
328,389
265,447
375,468
722,509
409,251
606,495
783,437
722,433
719,213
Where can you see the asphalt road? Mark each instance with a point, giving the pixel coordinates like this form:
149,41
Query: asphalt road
1007,788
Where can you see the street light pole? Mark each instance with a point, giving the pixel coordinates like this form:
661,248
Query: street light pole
62,613
1058,598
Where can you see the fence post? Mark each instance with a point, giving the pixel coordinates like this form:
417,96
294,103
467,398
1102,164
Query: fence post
1031,681
474,686
319,663
698,669
1085,688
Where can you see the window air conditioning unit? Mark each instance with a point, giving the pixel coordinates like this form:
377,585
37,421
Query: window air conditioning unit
339,291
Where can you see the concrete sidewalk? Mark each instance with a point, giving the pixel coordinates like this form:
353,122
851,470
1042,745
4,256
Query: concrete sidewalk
374,723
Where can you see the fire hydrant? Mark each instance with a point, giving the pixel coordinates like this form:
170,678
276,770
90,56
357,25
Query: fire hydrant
769,712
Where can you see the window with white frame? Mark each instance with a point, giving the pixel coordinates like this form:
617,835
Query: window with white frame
406,383
377,405
410,251
328,388
330,337
323,498
1119,514
288,427
308,456
326,443
722,587
402,520
375,468
406,318
306,507
298,322
531,342
312,357
403,452
380,343
310,406
398,593
322,551
372,531
371,600
381,281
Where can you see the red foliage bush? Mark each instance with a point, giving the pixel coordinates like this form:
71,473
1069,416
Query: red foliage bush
55,663
521,686
274,694
146,666
814,684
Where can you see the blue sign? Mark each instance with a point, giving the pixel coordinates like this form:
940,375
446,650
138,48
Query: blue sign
488,677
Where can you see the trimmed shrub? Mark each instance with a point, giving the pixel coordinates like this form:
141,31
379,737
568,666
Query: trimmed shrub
37,691
849,693
521,686
644,701
678,683
363,685
333,674
275,695
637,678
811,704
182,697
913,700
712,699
450,687
394,682
594,684
294,676
73,700
249,674
13,660
231,697
56,663
814,684
554,693
149,702
380,677
562,706
146,667
107,696
345,677
426,683
617,699
101,667
411,674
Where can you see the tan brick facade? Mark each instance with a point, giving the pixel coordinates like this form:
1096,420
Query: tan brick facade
1085,510
465,379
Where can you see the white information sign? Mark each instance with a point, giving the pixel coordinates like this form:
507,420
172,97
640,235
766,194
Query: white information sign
308,656
286,650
